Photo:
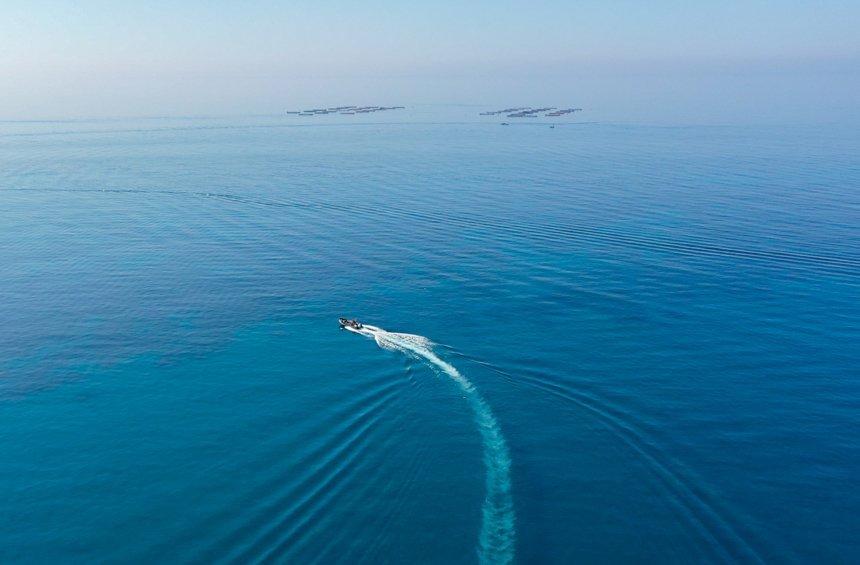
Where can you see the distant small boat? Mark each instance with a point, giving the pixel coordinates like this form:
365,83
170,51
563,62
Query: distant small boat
505,124
352,324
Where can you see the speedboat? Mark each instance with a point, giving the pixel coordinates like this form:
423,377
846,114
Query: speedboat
347,323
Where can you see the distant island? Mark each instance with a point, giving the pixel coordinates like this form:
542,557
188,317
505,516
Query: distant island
529,112
344,110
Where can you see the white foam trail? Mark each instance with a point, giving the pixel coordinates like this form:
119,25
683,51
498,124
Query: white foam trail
497,529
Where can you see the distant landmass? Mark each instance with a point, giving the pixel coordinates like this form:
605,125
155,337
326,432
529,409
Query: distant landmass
529,112
345,110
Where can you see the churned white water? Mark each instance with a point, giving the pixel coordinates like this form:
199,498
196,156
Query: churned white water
497,539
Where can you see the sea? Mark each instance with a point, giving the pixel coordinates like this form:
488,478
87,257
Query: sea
584,341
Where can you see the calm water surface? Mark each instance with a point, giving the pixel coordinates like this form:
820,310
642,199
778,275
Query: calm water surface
647,342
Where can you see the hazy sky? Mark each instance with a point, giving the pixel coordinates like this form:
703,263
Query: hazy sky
732,61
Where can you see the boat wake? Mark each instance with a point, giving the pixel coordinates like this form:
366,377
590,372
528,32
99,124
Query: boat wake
496,544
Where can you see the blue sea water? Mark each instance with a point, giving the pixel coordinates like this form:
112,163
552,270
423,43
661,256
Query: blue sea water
644,341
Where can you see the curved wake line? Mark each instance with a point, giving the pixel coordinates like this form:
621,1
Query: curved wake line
496,544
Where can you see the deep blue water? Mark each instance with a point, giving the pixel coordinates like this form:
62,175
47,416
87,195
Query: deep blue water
657,332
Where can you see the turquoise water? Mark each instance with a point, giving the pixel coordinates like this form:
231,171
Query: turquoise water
627,343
